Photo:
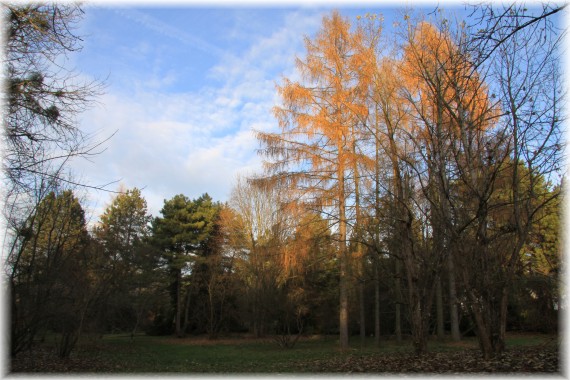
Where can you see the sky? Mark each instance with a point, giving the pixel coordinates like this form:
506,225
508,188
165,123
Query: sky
186,86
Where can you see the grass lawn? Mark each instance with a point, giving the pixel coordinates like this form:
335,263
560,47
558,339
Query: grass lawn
169,354
146,354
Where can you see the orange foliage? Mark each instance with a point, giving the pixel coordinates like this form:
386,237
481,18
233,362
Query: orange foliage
319,116
306,245
444,85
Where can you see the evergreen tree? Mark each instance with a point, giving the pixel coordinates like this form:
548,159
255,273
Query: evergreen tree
182,234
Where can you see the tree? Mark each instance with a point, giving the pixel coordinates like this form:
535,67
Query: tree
129,276
221,282
40,134
522,57
451,132
181,233
496,26
125,223
44,98
313,153
308,280
49,286
533,290
212,281
477,121
256,226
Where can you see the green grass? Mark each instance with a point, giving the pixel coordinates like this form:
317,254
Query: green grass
146,354
528,339
159,354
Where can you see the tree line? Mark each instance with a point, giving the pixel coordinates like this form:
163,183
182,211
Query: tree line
411,190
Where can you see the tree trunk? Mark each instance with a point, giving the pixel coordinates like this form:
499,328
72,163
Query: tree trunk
398,318
419,336
400,220
376,300
179,304
377,232
343,302
487,311
186,311
483,335
503,317
454,317
420,301
211,322
258,329
361,288
359,252
343,286
414,296
439,309
15,333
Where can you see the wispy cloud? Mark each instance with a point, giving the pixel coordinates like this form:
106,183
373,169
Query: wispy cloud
194,142
169,31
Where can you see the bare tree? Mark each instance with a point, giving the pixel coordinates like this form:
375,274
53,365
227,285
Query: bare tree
521,50
441,89
43,97
41,135
494,26
257,232
48,280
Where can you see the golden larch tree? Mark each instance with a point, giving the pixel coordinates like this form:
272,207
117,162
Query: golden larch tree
312,155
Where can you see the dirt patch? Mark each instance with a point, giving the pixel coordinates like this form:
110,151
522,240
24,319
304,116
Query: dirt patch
462,344
205,341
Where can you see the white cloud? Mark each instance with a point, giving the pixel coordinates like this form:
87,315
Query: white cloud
192,143
172,143
273,52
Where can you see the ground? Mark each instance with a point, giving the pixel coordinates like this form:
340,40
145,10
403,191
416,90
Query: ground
526,353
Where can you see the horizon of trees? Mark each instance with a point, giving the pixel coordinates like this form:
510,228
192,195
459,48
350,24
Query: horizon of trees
411,190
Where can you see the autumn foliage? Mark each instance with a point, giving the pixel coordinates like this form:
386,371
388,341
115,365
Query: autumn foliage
423,127
410,182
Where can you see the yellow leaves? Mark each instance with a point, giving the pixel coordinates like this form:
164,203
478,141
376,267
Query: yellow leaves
352,99
449,90
293,94
327,103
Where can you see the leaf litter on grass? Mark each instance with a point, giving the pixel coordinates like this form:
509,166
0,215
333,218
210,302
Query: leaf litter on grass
516,360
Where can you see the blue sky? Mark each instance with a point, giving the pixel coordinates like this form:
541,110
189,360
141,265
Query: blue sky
186,87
